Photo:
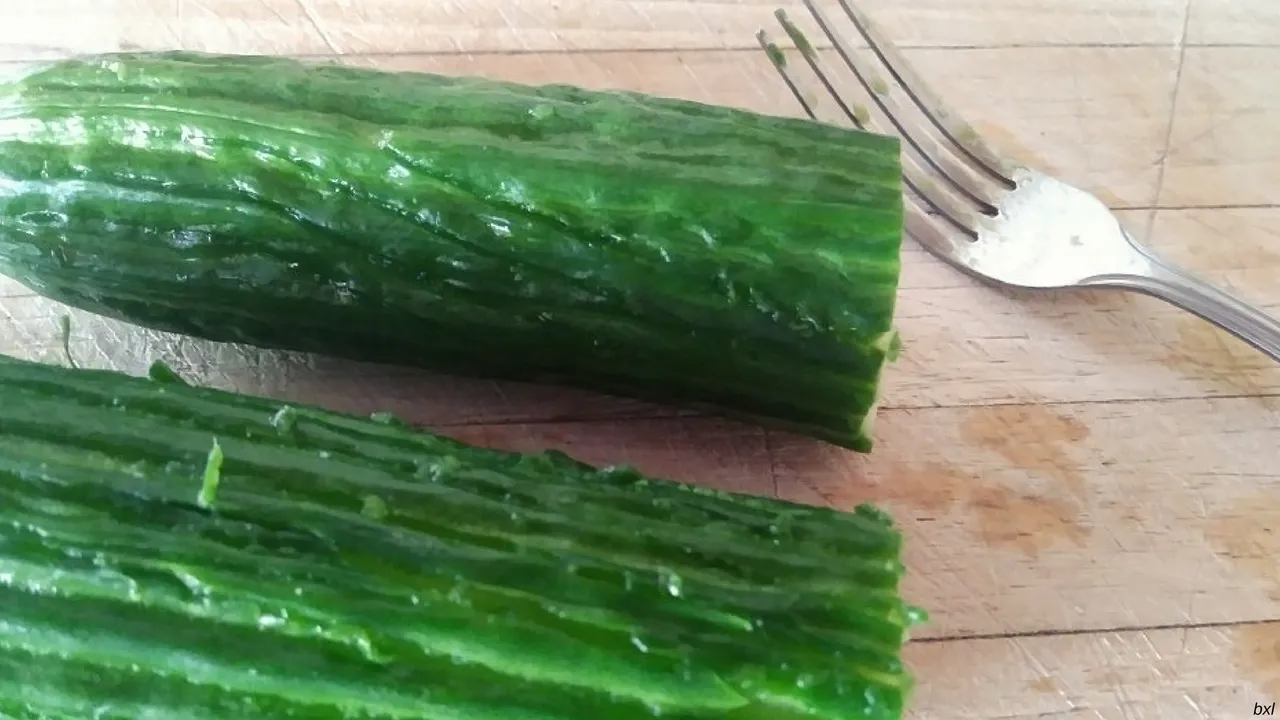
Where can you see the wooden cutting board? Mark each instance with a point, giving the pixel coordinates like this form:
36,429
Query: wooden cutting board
1089,483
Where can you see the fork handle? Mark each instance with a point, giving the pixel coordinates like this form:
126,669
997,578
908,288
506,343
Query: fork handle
1164,280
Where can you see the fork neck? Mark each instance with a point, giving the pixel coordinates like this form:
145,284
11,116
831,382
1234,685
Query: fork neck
1161,279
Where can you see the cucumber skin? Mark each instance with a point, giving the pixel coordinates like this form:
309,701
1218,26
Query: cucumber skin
358,568
639,246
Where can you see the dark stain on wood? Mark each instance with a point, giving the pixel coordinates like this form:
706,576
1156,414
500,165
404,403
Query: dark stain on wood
1249,537
1109,679
933,487
1046,684
1224,364
1027,437
1031,437
1256,654
1026,523
997,515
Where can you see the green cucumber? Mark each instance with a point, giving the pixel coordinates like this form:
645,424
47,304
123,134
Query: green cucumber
640,246
170,551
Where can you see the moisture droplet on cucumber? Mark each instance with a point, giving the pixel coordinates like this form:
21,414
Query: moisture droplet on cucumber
169,551
645,247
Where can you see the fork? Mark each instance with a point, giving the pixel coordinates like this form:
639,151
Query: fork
999,221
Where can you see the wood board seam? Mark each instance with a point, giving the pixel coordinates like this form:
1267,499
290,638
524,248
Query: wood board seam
1163,159
732,48
1050,633
680,413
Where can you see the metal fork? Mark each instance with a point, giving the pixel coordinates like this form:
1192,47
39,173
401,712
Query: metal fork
997,220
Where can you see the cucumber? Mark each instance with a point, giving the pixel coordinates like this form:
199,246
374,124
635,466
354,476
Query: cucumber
170,551
646,247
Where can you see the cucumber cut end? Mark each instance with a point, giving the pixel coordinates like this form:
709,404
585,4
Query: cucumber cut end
890,344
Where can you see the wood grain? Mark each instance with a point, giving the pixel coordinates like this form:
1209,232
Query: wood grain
1222,150
1029,23
1234,22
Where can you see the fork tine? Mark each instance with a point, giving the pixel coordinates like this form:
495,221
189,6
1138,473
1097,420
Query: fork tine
920,141
857,116
921,225
935,201
919,208
779,61
960,134
918,179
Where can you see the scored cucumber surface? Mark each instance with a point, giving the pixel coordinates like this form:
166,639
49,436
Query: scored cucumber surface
640,246
175,552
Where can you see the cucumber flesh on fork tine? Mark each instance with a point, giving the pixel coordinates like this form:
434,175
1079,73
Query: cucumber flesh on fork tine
993,218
